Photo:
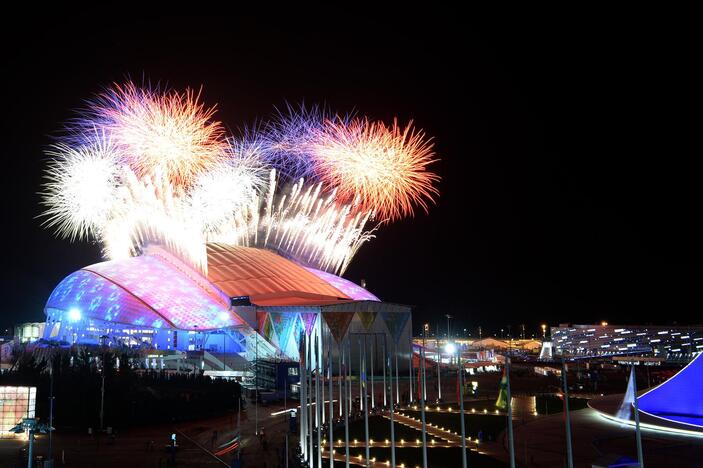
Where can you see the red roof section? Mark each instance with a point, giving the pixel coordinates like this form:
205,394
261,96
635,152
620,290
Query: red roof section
266,278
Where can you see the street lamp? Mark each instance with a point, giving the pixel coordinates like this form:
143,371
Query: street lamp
32,426
544,330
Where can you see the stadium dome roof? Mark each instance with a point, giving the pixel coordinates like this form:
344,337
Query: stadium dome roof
269,279
158,290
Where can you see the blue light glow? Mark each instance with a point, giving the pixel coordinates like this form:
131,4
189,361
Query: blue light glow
679,398
74,314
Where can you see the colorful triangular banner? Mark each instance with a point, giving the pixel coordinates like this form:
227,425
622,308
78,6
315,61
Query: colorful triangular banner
367,319
308,320
283,325
338,323
395,321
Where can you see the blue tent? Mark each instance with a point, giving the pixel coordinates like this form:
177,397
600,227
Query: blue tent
679,399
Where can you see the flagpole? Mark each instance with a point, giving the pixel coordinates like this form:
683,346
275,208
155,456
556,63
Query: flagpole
423,395
331,412
362,351
366,406
439,371
322,373
319,405
411,369
569,453
390,365
461,408
303,402
638,433
341,397
511,440
372,359
347,382
312,422
385,352
256,383
349,375
397,381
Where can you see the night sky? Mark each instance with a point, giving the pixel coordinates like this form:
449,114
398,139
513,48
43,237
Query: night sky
570,176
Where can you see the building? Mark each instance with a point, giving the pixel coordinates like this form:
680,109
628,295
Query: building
15,403
676,343
251,302
29,332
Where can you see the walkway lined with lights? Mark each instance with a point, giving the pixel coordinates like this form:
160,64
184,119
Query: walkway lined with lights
452,439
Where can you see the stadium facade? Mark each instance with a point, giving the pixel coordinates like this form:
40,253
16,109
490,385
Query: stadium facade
252,302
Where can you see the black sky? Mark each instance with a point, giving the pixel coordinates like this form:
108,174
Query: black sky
570,179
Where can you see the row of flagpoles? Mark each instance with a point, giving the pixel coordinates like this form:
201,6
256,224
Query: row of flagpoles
312,408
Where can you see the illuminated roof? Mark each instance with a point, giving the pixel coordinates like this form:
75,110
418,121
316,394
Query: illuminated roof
678,399
267,278
352,290
146,290
157,290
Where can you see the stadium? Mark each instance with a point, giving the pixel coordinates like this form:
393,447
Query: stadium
253,303
228,246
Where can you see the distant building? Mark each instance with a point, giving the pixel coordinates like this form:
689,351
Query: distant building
678,343
507,344
29,332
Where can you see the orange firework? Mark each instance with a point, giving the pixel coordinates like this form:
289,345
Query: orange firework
167,133
377,167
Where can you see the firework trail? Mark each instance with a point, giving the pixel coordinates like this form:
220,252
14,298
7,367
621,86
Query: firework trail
143,166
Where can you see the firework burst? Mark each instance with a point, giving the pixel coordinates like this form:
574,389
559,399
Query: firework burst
288,136
143,167
170,132
376,167
81,187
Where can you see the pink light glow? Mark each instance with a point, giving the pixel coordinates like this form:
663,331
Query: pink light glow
170,292
350,289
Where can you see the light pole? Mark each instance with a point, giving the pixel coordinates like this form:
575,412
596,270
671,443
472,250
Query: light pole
448,335
422,354
544,331
31,426
461,409
439,370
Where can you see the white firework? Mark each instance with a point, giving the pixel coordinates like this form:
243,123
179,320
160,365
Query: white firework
150,212
81,187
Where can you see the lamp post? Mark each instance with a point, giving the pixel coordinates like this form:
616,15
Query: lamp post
461,409
31,426
544,331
